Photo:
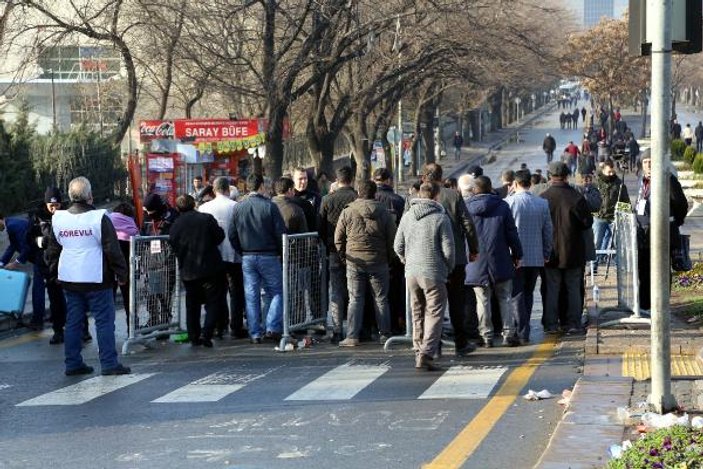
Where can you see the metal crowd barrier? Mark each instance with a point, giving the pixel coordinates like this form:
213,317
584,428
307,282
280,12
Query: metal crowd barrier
625,241
304,284
154,291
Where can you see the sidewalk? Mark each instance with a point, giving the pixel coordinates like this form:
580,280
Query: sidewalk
616,373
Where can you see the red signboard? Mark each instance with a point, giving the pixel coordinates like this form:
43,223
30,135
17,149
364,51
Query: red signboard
214,130
155,130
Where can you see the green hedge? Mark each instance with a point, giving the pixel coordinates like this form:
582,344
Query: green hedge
689,155
29,163
678,147
698,164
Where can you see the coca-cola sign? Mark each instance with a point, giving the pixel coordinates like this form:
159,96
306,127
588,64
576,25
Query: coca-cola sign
155,130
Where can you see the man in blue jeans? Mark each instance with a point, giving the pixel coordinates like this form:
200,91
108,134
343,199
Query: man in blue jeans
85,256
255,233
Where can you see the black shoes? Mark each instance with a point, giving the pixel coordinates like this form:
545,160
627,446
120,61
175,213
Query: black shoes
57,338
206,343
273,336
118,370
336,338
485,342
255,340
465,350
511,341
81,370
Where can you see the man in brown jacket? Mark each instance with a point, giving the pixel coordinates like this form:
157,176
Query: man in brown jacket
293,215
364,240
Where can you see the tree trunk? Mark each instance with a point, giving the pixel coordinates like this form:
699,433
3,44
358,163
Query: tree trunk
362,150
428,112
126,119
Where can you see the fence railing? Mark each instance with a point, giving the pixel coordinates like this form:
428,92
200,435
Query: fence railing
154,290
304,284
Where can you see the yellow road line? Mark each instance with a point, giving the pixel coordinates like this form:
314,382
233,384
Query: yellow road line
466,442
23,339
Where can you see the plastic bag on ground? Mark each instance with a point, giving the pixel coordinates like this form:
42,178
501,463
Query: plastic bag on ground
654,420
536,396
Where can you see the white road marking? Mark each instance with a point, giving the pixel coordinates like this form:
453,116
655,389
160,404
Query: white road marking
85,391
341,383
199,393
212,388
464,382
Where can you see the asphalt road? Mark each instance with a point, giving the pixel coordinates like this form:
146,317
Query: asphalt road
246,406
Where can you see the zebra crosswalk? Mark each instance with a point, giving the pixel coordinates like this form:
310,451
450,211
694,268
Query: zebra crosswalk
340,383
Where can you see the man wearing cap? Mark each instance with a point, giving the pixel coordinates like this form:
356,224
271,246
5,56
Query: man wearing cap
159,216
85,257
570,217
38,240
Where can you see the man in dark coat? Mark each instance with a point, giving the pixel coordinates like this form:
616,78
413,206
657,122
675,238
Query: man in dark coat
494,268
698,132
464,234
38,239
310,199
549,145
395,204
570,217
330,210
195,238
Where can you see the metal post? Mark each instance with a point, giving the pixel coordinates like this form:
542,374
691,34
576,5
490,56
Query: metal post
661,12
400,142
53,101
286,309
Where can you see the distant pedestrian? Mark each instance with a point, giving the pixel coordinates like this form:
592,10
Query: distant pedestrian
85,256
424,243
458,143
698,132
583,114
687,135
549,145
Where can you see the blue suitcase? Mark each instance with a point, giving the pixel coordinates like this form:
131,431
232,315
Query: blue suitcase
13,291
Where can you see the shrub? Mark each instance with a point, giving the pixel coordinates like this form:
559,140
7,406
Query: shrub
689,155
678,146
698,164
677,446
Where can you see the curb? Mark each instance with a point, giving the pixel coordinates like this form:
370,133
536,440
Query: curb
589,425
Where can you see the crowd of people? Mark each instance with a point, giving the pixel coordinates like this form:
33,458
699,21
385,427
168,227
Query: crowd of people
468,244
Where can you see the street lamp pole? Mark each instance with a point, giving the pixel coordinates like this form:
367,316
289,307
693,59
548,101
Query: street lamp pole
400,141
661,13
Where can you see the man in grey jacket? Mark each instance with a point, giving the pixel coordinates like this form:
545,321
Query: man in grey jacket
425,244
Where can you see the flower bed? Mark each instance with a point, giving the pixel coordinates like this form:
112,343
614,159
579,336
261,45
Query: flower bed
675,447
